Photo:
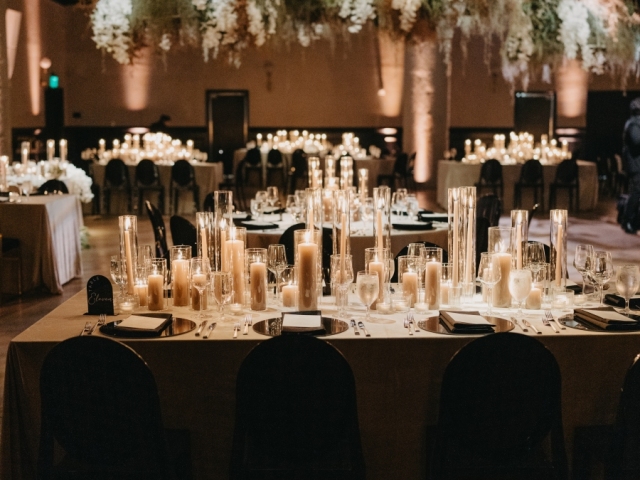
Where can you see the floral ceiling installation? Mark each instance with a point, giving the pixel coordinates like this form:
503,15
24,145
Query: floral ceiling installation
604,35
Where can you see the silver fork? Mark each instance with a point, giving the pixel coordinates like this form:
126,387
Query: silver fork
549,316
414,323
548,322
407,324
248,321
86,329
355,327
101,321
236,329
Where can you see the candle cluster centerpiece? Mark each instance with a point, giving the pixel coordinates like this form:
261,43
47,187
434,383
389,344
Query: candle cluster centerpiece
521,148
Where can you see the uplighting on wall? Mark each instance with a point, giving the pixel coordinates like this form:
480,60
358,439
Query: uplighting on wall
390,63
12,23
135,81
34,51
572,85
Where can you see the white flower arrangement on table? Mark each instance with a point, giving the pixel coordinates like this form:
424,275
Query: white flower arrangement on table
78,183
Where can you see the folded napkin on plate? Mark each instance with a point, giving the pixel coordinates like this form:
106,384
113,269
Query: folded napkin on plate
148,323
606,318
466,322
303,322
618,301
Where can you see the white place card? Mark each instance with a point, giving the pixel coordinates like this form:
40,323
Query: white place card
466,319
139,322
301,321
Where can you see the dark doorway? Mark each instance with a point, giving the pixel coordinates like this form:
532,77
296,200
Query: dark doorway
227,124
535,112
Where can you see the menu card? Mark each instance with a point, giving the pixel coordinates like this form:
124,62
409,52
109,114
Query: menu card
466,322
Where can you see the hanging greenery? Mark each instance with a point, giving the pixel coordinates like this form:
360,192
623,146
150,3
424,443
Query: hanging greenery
604,35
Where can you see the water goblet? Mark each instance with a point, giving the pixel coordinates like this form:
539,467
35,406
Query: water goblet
581,261
601,270
118,272
627,282
222,287
519,287
272,196
412,207
367,286
488,276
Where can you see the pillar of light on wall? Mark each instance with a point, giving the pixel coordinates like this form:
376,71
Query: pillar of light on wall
572,85
390,63
12,23
34,51
135,81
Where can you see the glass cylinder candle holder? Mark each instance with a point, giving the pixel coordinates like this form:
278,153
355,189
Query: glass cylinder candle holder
4,167
180,257
468,263
346,171
234,248
289,287
313,204
222,221
327,205
315,178
141,286
329,166
376,260
199,275
25,148
128,225
558,244
313,163
155,284
363,182
256,271
331,183
341,222
432,260
62,146
456,234
501,242
204,240
308,262
520,222
445,283
408,276
382,217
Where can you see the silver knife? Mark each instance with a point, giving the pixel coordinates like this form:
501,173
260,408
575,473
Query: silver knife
355,328
209,330
361,325
202,324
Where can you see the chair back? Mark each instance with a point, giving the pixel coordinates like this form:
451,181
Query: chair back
116,173
404,250
100,403
531,173
286,239
299,162
491,172
400,165
209,204
147,173
307,419
253,157
159,230
183,232
490,207
182,173
567,172
500,399
53,186
274,158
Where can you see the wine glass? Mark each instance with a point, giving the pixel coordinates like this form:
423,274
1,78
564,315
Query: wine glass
412,207
581,261
367,285
272,196
366,211
200,279
222,287
519,287
145,254
291,207
627,283
276,263
488,275
341,279
118,272
535,256
601,270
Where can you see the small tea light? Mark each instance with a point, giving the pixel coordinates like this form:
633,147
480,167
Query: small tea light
421,307
400,306
579,299
235,308
126,307
383,307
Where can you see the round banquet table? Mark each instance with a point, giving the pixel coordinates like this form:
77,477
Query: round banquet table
359,241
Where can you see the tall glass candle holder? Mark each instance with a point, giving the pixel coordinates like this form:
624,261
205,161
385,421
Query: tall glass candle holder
331,183
327,205
128,225
501,242
308,262
363,182
62,146
315,178
408,276
341,222
234,248
313,204
141,287
382,217
468,263
25,148
520,222
456,235
329,166
155,284
180,258
346,171
432,260
376,260
204,240
445,283
256,269
222,220
558,244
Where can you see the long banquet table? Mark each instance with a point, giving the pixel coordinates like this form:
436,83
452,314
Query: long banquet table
48,228
397,379
457,174
208,177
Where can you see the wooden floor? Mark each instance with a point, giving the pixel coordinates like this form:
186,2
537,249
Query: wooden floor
17,314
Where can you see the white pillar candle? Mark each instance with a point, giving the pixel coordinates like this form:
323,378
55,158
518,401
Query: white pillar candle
379,229
559,256
51,149
289,295
141,291
308,276
534,299
378,267
155,292
501,294
444,292
258,280
180,273
519,244
129,260
196,299
410,285
63,149
469,260
432,275
235,250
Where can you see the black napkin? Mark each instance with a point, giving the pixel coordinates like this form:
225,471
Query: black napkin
605,323
460,327
618,301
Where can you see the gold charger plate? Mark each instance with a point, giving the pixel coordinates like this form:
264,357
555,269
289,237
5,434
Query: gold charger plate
178,326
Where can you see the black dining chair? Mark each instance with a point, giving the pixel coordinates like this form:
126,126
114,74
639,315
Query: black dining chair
404,250
276,168
305,424
397,179
116,179
100,404
183,178
11,252
209,204
500,412
566,179
53,186
252,165
298,176
531,177
148,180
183,232
159,232
491,178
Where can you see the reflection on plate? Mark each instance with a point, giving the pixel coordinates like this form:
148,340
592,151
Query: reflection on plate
178,326
257,225
272,327
434,325
412,225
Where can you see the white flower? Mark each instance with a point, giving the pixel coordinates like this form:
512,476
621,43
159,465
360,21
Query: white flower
408,12
358,12
165,42
111,28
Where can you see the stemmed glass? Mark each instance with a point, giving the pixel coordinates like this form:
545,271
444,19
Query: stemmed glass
276,263
581,261
222,286
488,276
535,256
200,279
118,272
272,196
367,285
519,287
412,207
627,283
291,207
341,280
366,211
601,270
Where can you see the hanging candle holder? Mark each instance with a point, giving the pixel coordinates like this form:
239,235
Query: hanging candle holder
520,222
222,221
558,243
128,225
382,217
